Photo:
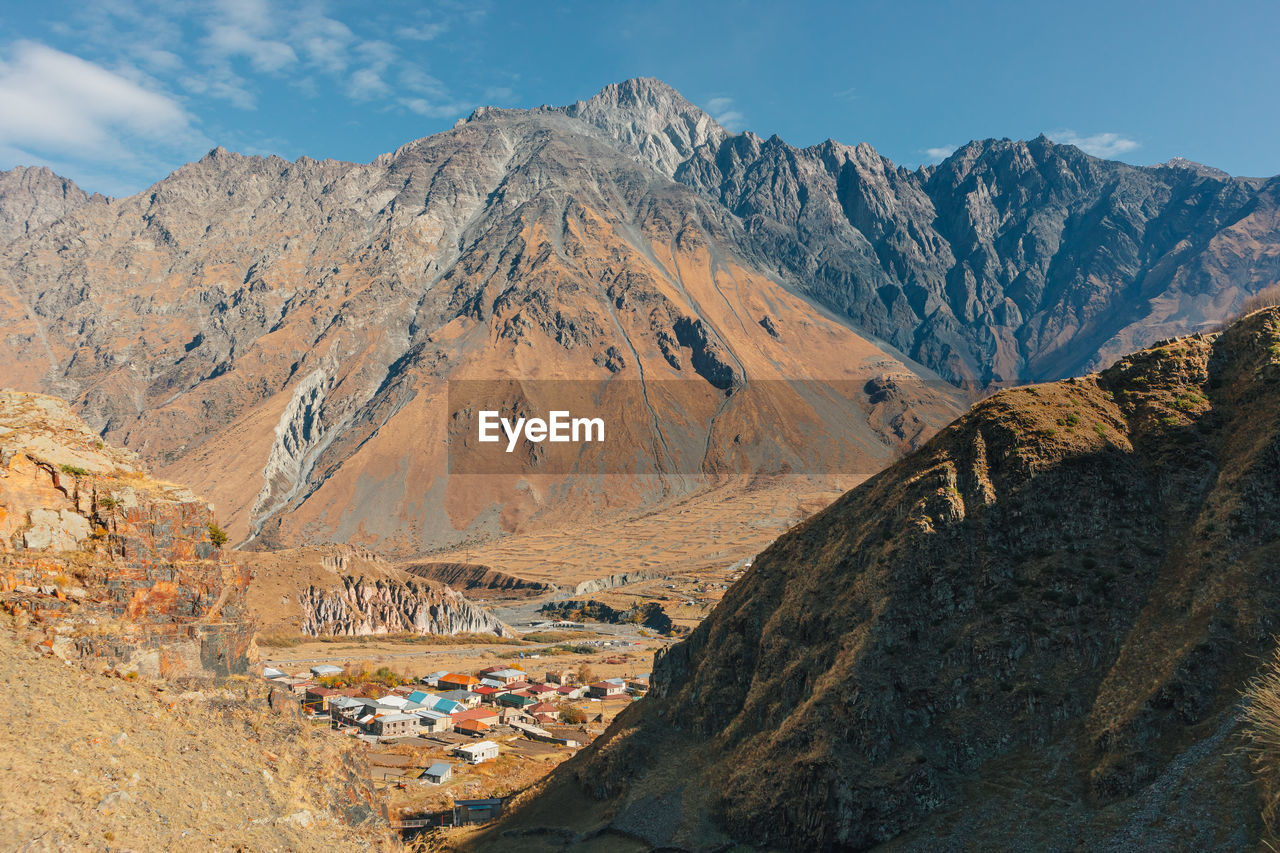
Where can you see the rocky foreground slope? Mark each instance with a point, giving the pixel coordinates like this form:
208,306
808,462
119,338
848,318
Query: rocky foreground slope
1034,632
155,740
94,763
102,563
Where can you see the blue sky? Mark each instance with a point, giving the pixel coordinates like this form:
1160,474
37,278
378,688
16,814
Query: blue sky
116,94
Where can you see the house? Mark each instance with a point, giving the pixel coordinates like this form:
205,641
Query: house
316,699
343,707
421,697
474,753
434,722
514,700
638,685
542,708
484,715
564,676
518,686
471,728
270,673
446,706
475,811
605,689
295,684
506,676
576,691
395,725
456,681
433,679
438,773
487,693
325,670
462,697
391,700
352,709
540,690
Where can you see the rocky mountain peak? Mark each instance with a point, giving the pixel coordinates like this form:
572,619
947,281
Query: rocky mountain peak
1193,166
652,119
33,196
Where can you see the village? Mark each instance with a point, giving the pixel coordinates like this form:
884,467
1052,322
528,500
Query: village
449,747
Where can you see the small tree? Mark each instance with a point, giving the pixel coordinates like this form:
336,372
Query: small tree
217,535
585,674
573,716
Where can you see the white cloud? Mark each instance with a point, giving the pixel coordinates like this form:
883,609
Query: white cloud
938,154
243,28
53,101
367,84
1105,145
108,130
849,94
427,32
722,109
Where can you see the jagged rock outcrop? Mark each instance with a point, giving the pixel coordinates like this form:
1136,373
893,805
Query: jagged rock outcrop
472,577
102,564
349,591
650,614
362,606
1037,627
612,581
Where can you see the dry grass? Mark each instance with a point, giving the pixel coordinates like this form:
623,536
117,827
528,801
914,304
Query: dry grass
1268,297
1262,732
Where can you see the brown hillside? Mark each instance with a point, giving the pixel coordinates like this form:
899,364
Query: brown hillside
1032,632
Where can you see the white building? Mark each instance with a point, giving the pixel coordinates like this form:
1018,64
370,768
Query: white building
475,753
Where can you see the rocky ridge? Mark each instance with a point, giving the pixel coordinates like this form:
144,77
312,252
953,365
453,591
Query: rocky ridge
1036,627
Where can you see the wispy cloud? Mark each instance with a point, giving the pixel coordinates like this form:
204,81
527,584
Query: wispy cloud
938,154
849,94
1105,145
59,108
131,75
724,111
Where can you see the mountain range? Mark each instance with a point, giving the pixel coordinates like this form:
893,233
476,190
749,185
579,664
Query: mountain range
282,335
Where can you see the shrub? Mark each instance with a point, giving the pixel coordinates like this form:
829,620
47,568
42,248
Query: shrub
74,470
217,535
573,716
